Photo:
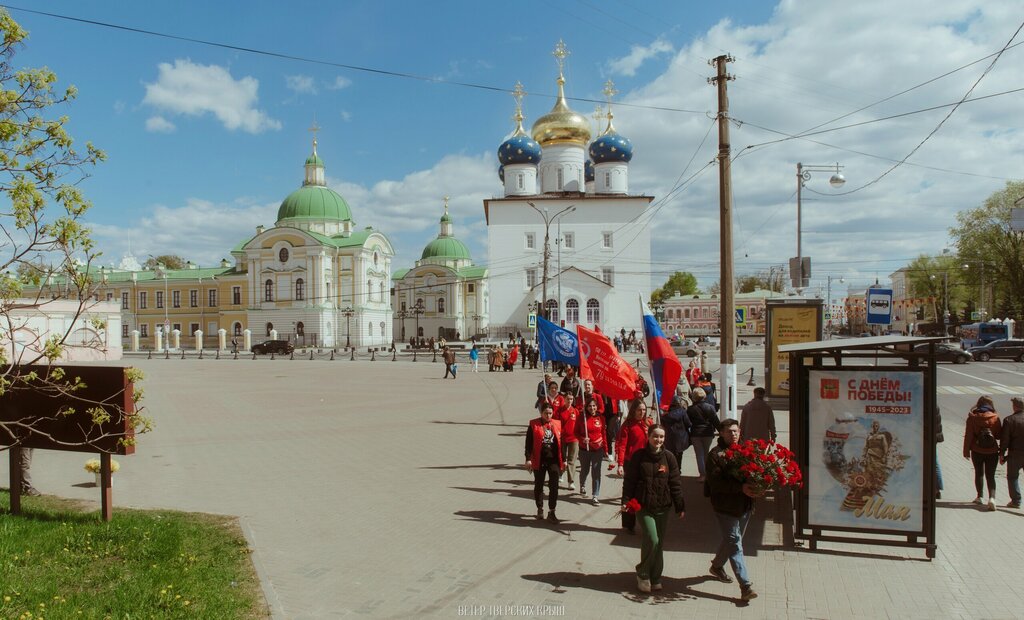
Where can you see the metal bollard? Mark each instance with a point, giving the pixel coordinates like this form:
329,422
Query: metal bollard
414,355
332,355
353,358
271,356
311,355
292,356
435,356
253,355
167,354
236,354
394,354
183,354
373,355
218,355
150,355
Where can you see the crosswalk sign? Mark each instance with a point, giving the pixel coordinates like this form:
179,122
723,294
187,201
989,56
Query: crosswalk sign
531,320
741,317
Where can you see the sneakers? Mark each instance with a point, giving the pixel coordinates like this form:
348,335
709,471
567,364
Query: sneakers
32,491
552,518
978,501
572,486
656,586
583,490
595,500
747,593
1013,505
991,504
718,572
540,513
644,585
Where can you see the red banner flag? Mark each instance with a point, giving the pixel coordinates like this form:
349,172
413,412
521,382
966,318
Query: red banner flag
601,363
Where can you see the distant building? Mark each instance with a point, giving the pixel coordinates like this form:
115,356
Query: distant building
698,315
93,330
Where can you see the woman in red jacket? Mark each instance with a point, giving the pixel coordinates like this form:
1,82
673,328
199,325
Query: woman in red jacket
590,433
981,445
569,415
632,437
544,458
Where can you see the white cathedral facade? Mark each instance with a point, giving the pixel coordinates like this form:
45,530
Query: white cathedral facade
559,183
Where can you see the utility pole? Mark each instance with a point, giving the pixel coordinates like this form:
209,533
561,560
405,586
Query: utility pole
728,312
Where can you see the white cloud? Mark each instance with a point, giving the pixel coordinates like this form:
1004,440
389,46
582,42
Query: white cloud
302,84
638,54
345,115
118,107
191,89
339,83
159,124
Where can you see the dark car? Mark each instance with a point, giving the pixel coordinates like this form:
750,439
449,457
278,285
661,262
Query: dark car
273,346
999,349
946,352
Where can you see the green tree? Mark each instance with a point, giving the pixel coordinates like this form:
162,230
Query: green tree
679,283
47,247
938,278
169,261
991,254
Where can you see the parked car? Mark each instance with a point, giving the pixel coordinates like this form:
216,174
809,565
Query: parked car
946,352
688,348
273,346
999,349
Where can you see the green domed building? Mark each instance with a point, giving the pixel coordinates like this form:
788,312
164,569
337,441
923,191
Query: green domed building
445,294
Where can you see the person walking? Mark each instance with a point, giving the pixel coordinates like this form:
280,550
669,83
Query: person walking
553,398
677,428
542,388
513,353
982,447
569,415
1011,449
590,433
652,479
544,459
632,437
704,421
571,383
448,356
757,418
732,500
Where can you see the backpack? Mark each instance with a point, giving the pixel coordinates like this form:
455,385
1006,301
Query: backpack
985,440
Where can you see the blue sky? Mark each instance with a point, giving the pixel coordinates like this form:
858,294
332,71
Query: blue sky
204,141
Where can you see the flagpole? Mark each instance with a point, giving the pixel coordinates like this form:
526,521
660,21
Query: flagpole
650,366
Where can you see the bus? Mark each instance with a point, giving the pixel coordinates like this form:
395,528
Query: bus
977,334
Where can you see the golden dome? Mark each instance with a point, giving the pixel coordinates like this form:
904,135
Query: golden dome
561,125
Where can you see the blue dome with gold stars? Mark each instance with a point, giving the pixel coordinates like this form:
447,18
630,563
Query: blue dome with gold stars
519,149
588,171
501,173
611,147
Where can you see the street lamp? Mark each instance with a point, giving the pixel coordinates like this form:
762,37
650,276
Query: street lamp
348,312
981,288
418,309
476,319
945,302
402,314
803,174
547,252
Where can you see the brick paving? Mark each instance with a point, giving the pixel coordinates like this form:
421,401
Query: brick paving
380,490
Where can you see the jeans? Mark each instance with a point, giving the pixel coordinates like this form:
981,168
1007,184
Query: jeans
652,556
701,447
571,450
985,467
551,471
590,463
938,475
1014,463
731,549
25,462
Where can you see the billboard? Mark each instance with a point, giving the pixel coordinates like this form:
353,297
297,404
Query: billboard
787,324
865,450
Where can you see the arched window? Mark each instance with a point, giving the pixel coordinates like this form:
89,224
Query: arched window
704,313
552,309
283,255
593,311
440,305
369,328
572,311
686,313
369,290
270,328
237,329
268,290
300,289
300,328
381,285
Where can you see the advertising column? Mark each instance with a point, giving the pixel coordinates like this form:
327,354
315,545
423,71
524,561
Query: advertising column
788,323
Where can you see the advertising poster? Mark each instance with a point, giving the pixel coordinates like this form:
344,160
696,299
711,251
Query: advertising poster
865,454
789,325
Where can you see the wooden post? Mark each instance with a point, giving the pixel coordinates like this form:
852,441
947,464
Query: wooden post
106,492
15,480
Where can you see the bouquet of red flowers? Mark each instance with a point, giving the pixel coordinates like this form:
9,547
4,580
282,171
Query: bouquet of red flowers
632,506
764,465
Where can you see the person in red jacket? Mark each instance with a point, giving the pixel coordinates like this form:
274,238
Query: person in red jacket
981,446
553,398
544,458
590,433
568,415
632,437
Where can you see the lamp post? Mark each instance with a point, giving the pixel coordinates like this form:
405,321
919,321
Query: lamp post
945,301
402,314
348,312
476,320
558,242
418,309
547,252
803,174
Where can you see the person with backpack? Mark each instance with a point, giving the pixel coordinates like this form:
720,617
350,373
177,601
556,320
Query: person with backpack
982,447
704,422
677,428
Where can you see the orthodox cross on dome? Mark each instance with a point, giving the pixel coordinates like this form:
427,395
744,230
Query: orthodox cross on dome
598,115
561,53
609,92
446,204
518,93
314,128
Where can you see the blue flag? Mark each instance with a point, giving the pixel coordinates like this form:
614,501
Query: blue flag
560,345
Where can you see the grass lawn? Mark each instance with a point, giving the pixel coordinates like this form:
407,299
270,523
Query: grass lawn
58,559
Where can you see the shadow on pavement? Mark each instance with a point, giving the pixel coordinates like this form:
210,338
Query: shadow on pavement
477,424
625,584
491,466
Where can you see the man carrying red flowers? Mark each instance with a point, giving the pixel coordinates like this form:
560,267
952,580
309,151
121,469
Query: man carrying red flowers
732,499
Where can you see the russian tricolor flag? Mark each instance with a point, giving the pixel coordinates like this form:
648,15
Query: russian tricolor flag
665,366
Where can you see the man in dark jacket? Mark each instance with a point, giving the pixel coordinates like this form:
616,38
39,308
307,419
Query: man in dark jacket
449,362
704,423
733,502
1011,449
677,426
